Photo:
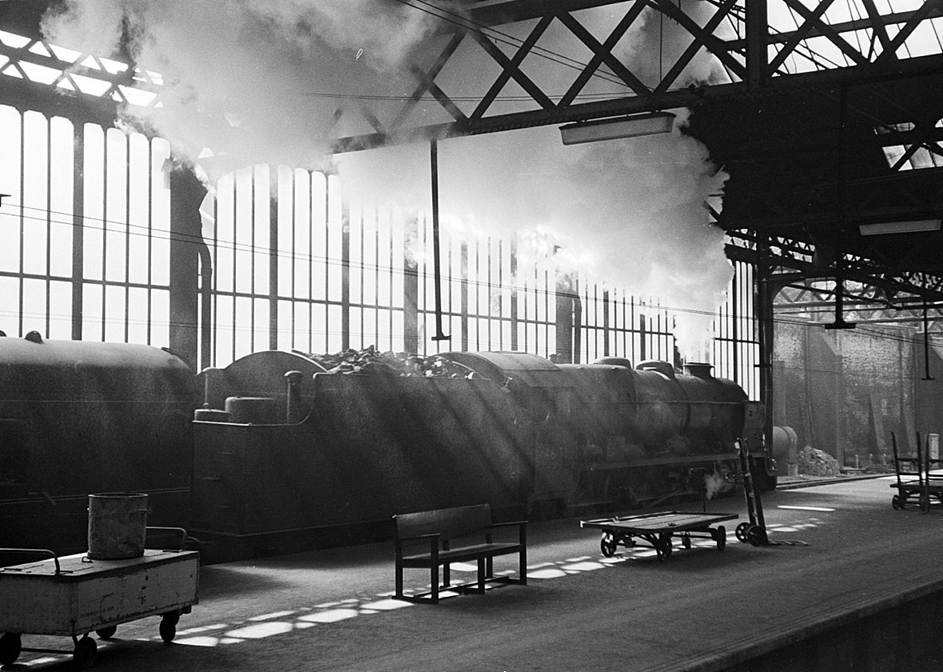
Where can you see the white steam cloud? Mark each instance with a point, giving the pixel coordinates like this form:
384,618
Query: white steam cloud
627,212
249,82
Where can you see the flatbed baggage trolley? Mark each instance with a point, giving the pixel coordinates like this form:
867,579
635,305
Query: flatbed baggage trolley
657,529
74,596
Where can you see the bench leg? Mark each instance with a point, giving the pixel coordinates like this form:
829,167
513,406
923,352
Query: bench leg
489,567
434,577
399,580
446,575
481,575
522,566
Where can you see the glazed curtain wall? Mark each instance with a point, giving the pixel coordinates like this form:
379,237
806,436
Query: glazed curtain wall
84,231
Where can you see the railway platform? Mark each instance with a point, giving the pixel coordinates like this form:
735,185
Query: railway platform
849,583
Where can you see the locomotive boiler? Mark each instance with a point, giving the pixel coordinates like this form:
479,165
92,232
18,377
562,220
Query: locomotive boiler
79,418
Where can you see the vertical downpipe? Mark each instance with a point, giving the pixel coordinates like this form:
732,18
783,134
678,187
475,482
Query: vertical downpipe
437,270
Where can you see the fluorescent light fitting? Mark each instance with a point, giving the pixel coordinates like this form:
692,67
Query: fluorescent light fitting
907,226
621,127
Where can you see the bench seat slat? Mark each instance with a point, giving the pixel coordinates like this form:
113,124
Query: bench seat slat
461,554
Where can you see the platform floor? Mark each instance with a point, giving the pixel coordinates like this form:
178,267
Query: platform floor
840,548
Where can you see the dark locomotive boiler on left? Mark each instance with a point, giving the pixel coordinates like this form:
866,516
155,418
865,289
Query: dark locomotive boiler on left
78,418
280,449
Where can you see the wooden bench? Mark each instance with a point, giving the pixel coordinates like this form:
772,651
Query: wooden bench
425,540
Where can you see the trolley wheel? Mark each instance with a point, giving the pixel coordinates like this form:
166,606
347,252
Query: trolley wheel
168,626
107,633
686,541
743,531
896,503
10,647
608,545
755,535
664,546
720,536
84,653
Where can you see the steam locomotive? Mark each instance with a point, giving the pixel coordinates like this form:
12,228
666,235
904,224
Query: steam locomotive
280,448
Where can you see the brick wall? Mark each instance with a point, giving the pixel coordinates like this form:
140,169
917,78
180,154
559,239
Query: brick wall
844,392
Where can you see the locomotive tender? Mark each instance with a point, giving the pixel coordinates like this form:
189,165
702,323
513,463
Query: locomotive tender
280,448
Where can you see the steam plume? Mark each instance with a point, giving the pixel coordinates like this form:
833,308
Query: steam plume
627,212
263,82
249,82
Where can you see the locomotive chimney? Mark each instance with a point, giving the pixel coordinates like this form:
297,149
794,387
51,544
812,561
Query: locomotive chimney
698,370
293,404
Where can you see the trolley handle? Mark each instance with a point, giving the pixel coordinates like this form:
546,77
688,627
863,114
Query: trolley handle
36,551
175,530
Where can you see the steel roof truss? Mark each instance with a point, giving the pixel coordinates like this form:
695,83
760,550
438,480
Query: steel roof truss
609,59
827,30
877,24
890,53
604,49
512,69
515,62
427,78
702,37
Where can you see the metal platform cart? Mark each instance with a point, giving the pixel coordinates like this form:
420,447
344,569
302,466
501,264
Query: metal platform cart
657,529
915,477
74,596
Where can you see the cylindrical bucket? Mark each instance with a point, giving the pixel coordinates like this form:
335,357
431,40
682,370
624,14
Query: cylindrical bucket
116,525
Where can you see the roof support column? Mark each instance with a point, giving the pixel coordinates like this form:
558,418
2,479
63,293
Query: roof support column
186,241
766,290
757,41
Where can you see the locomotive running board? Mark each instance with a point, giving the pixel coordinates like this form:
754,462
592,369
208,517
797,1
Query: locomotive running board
658,461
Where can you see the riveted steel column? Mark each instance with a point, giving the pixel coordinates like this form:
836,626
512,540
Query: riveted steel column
757,42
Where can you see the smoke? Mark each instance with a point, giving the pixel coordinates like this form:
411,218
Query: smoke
249,82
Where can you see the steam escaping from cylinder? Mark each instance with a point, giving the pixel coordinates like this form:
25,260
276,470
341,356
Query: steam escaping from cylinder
714,484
